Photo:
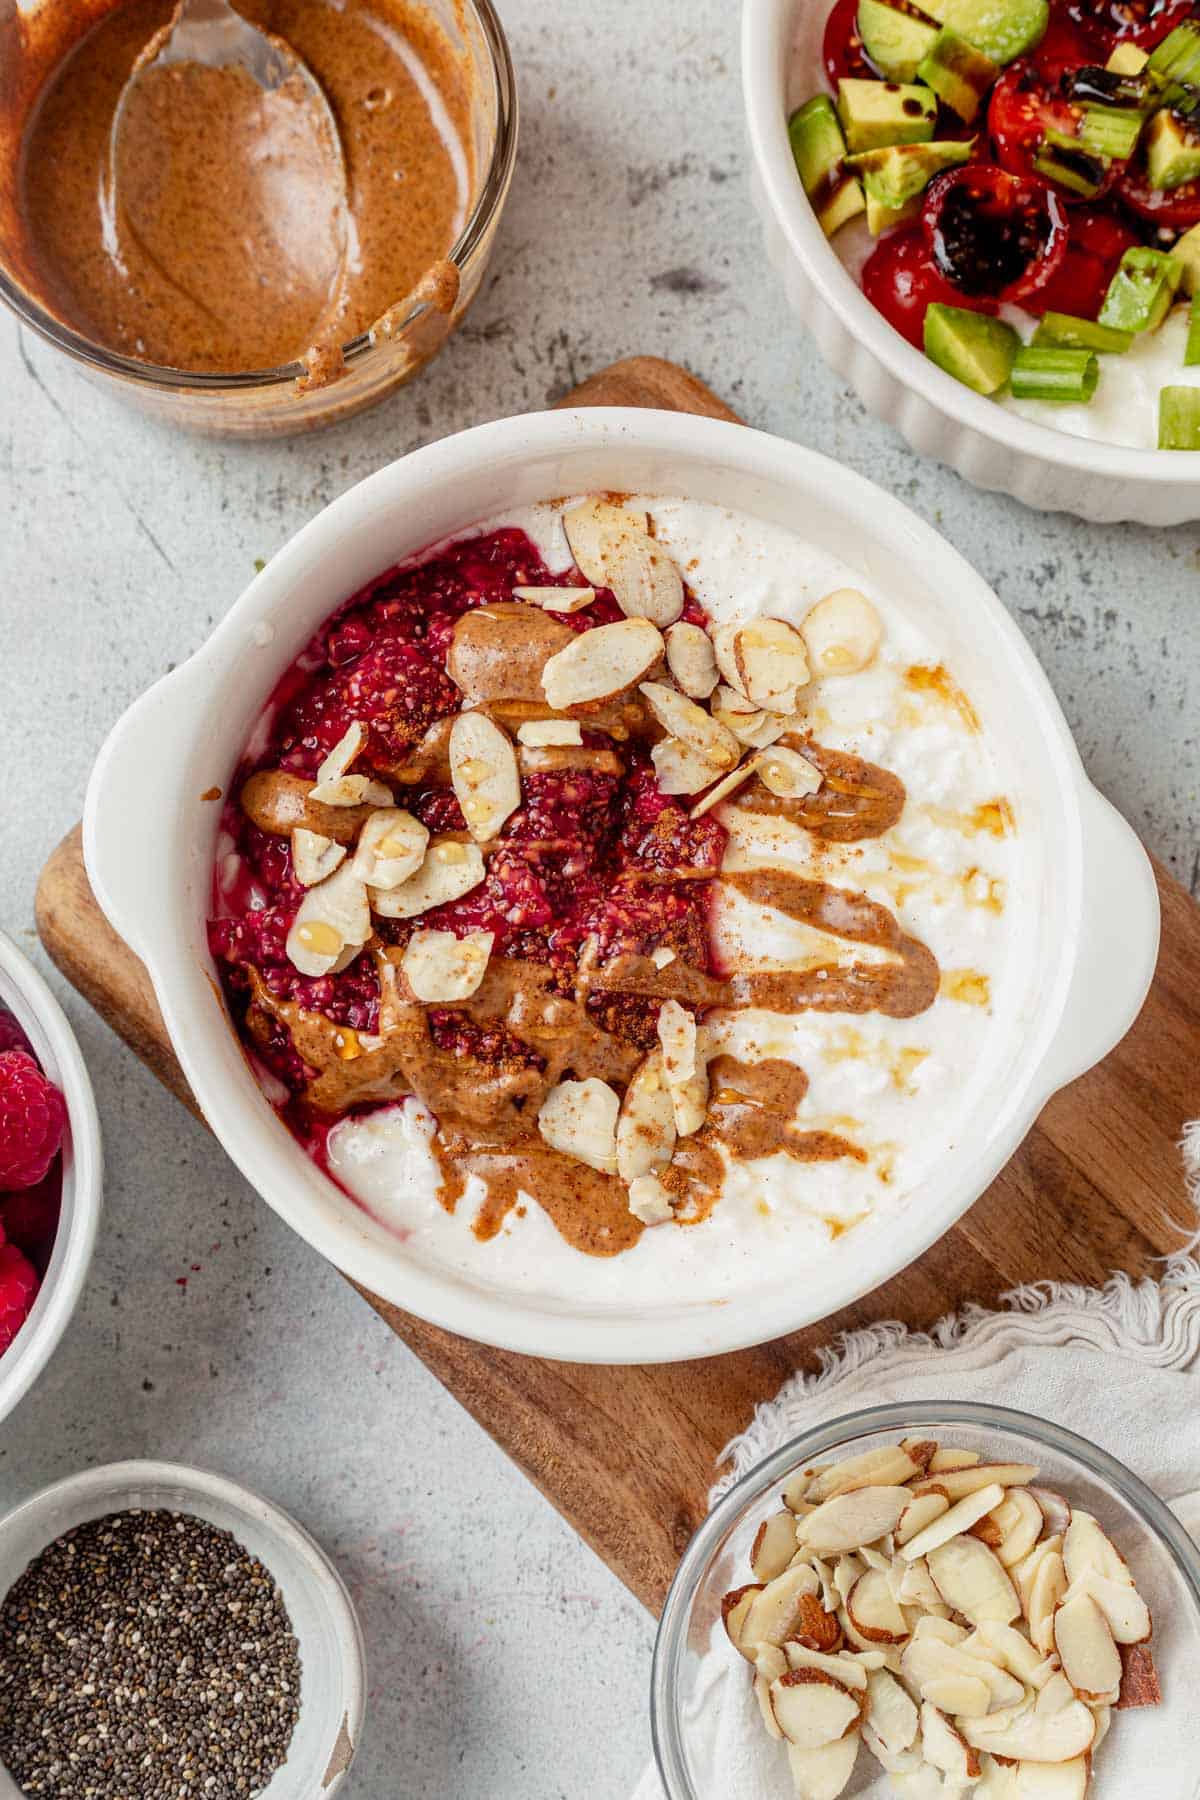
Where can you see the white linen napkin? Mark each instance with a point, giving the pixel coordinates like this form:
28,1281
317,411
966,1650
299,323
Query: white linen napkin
1119,1365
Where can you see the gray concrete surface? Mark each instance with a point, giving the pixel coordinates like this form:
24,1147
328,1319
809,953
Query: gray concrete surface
505,1661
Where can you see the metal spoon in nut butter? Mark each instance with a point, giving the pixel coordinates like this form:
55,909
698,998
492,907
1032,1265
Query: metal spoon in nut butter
226,170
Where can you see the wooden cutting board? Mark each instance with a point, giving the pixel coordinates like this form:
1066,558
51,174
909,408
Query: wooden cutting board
627,1455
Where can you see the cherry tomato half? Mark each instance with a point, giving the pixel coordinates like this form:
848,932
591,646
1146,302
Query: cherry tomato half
1111,22
1025,104
1097,242
845,58
901,279
1172,209
1064,46
994,235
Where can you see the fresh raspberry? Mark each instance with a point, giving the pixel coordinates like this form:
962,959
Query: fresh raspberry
18,1291
32,1117
30,1218
11,1035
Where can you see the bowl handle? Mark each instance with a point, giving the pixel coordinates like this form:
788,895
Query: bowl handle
130,814
1118,943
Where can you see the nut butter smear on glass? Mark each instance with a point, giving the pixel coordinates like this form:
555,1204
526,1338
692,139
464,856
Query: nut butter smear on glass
234,272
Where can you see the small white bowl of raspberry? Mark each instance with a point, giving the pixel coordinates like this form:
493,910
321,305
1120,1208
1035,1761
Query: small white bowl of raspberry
51,1174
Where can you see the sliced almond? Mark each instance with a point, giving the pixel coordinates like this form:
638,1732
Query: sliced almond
769,661
1052,1781
921,1511
849,1520
842,633
646,1132
450,870
680,770
728,784
734,1607
1056,1693
1035,1737
973,1582
483,769
1086,1547
692,660
337,763
889,1466
600,664
683,1067
1012,1649
650,1201
903,1763
946,1748
749,724
1025,1572
960,1518
817,1628
1047,1591
875,1614
763,1677
1139,1678
959,1482
891,1712
580,1119
773,1612
391,847
613,549
1126,1612
1090,1659
917,1589
823,1773
351,790
774,1546
812,1709
966,1696
331,926
696,729
314,857
556,599
540,734
440,967
1056,1511
1021,1523
946,1457
786,773
844,1669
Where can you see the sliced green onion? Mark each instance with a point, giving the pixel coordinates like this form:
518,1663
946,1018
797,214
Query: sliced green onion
1179,418
1067,161
1064,377
1191,355
1110,131
1068,333
1177,58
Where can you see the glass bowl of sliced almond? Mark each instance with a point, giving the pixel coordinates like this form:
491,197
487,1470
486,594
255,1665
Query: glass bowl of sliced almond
932,1602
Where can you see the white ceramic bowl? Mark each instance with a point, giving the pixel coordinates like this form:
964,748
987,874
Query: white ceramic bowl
333,1665
149,837
986,443
44,1023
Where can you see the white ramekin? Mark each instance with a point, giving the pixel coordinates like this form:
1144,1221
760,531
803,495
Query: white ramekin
985,443
44,1023
332,1659
149,835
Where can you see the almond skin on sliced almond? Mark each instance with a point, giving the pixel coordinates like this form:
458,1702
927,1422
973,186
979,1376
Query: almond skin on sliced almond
1090,1659
873,1612
483,770
692,660
613,549
580,1119
691,725
440,967
812,1709
450,870
773,1612
734,1607
764,659
815,1628
960,1518
774,1546
945,1748
849,1520
1139,1678
600,664
842,633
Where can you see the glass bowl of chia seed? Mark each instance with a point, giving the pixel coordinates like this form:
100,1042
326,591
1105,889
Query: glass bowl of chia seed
213,1645
32,1018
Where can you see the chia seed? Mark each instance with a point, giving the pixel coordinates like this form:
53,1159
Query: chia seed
146,1656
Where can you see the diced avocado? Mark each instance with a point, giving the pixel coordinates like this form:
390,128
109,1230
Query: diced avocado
976,349
1127,59
1002,29
896,178
959,74
875,114
1191,352
1177,58
819,150
1063,331
1187,254
1172,150
894,41
1140,293
1179,418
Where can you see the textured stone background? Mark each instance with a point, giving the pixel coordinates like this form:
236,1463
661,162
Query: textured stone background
505,1661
